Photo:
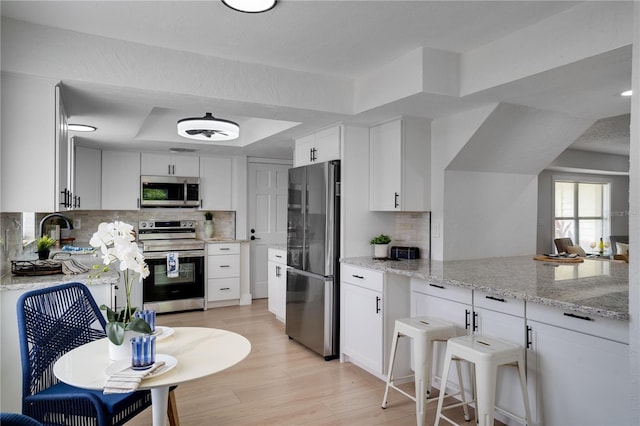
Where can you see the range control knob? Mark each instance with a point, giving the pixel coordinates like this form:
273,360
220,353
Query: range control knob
143,224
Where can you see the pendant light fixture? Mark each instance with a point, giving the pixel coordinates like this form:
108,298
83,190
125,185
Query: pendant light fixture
208,128
250,6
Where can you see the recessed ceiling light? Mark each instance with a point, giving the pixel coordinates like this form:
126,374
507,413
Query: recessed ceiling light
626,93
250,6
208,128
81,128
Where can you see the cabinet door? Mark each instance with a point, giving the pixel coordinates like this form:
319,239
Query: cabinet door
510,328
120,180
386,167
155,164
327,145
579,379
276,293
88,170
215,183
304,153
185,165
363,327
456,313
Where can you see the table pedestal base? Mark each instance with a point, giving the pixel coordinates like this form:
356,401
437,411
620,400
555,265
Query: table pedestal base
159,398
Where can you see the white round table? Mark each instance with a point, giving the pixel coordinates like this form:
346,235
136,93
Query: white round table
199,352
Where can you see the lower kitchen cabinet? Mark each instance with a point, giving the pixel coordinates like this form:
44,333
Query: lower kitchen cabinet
370,303
446,303
277,283
579,368
223,274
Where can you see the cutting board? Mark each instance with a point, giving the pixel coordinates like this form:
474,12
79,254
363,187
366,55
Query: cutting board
558,259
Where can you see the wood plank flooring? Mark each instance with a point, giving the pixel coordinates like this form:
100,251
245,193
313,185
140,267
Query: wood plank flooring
281,382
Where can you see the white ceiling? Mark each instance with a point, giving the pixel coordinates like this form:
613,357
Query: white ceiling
344,39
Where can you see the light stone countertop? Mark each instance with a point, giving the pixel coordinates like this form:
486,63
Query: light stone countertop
278,246
595,287
222,241
19,282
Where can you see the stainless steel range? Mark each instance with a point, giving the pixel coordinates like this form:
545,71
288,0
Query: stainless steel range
176,262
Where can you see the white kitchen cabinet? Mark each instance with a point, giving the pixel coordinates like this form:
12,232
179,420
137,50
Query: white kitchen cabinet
446,303
158,164
400,165
579,368
318,147
371,301
223,273
120,180
33,132
215,183
503,318
88,178
277,283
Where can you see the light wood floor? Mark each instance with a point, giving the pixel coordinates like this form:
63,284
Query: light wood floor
281,382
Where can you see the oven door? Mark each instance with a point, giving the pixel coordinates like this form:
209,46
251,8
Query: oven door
189,284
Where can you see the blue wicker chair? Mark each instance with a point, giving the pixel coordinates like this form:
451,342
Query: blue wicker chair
51,322
15,419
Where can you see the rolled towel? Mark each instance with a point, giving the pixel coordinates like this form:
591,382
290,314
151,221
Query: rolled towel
72,267
128,380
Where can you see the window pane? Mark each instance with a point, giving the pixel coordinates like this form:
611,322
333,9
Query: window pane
590,200
564,199
564,228
590,232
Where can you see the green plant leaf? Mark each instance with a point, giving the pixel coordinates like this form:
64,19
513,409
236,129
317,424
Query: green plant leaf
139,325
115,332
111,315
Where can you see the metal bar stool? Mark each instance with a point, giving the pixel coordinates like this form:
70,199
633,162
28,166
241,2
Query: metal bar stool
425,332
486,354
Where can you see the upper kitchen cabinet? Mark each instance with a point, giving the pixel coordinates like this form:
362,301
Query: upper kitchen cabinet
88,178
34,145
156,164
318,147
400,166
120,180
215,183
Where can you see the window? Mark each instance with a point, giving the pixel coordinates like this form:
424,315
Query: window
28,227
581,212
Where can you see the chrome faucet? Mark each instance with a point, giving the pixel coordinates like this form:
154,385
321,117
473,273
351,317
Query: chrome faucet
49,216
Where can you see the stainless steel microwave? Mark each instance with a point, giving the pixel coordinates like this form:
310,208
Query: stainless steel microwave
169,191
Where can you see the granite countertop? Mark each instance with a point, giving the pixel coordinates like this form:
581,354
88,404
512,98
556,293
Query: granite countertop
594,287
222,241
278,246
19,282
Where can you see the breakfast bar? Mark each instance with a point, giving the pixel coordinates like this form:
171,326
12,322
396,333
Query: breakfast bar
572,319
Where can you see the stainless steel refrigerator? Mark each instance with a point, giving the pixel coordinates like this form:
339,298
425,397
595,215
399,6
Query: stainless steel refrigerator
313,250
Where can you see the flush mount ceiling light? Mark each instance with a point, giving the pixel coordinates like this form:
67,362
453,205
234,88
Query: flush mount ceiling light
626,93
250,6
208,128
81,128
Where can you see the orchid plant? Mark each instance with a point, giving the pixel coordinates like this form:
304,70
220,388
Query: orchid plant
116,242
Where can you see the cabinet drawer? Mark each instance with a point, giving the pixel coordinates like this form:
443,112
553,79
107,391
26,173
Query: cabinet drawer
230,248
506,305
223,266
278,256
445,291
590,324
363,277
223,289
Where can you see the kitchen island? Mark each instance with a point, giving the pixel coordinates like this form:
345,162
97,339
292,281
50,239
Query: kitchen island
594,287
572,319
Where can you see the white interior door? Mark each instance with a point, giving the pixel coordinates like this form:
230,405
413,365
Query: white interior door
267,208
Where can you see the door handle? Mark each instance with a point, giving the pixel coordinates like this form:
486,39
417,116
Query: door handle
377,304
395,200
475,321
255,238
466,319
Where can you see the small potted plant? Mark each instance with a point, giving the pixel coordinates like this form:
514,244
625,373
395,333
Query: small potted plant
208,225
44,245
380,246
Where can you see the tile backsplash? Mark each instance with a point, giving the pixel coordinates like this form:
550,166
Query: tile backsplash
413,229
11,248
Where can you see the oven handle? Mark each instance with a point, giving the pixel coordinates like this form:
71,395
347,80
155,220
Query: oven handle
181,254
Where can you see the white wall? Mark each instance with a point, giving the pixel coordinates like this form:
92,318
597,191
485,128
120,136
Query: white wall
489,214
